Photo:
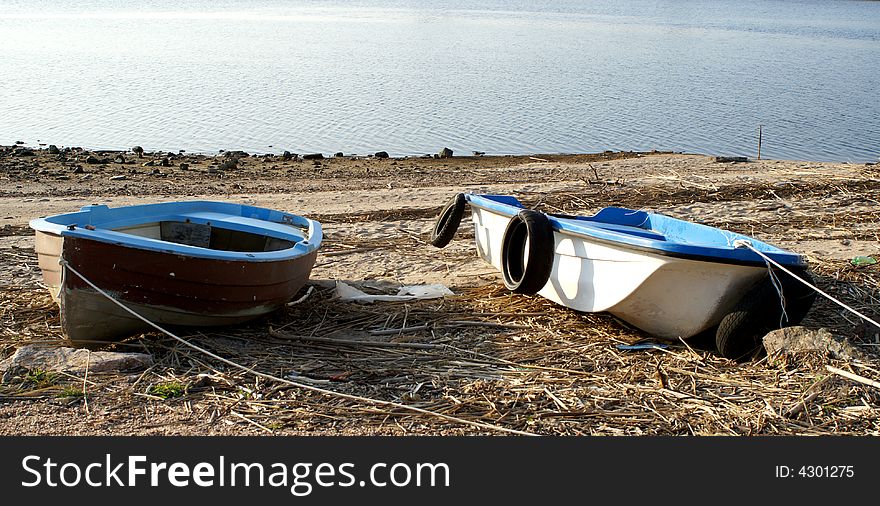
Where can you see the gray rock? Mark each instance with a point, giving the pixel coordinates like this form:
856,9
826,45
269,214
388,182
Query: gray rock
230,164
71,360
92,159
139,151
801,340
53,149
339,155
479,153
445,153
166,162
730,159
119,159
313,156
184,166
381,154
287,155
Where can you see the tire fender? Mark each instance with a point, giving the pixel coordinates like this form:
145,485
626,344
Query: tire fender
448,221
527,252
740,332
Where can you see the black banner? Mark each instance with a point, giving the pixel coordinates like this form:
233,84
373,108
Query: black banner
437,470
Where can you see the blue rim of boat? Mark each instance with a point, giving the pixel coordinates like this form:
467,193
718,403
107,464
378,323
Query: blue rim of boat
650,232
305,234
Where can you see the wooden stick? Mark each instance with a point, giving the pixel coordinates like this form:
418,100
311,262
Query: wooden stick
800,405
355,342
85,381
855,377
391,332
346,252
466,323
248,420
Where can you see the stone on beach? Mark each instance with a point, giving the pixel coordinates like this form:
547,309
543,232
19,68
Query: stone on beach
313,156
71,360
229,164
53,149
381,154
139,151
445,153
797,340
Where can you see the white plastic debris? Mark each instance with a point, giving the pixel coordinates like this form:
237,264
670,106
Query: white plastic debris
412,292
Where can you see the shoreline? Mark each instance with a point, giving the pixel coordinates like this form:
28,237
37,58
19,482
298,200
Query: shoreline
277,152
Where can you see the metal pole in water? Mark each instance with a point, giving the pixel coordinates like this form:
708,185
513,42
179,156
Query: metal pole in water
759,141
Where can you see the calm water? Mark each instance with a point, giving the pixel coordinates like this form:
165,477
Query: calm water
494,76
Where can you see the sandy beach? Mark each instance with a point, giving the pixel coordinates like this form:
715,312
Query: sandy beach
515,362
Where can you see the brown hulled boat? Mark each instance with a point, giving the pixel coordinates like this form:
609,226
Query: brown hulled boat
195,263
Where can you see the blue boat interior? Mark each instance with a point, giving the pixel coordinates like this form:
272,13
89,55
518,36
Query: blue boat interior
202,228
650,231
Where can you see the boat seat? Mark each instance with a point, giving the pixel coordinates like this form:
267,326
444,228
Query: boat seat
245,224
614,227
625,229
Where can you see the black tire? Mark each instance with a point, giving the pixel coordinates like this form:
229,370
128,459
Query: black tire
530,276
448,221
741,331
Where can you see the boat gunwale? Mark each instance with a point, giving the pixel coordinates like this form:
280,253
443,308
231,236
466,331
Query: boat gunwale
715,254
304,242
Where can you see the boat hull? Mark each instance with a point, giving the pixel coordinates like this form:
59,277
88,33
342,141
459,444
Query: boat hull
664,295
165,288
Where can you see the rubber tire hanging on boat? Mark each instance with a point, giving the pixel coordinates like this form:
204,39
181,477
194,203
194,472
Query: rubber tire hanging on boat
448,221
527,251
741,331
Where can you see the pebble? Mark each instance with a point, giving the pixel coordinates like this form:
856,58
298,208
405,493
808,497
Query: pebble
381,154
313,156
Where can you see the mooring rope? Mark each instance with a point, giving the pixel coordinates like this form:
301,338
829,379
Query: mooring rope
333,393
742,243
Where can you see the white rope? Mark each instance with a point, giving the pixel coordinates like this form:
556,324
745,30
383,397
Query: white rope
739,243
293,383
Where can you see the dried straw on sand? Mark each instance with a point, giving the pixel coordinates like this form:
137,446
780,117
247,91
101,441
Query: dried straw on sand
491,357
487,356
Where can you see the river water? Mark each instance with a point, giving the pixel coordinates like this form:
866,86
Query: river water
410,77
